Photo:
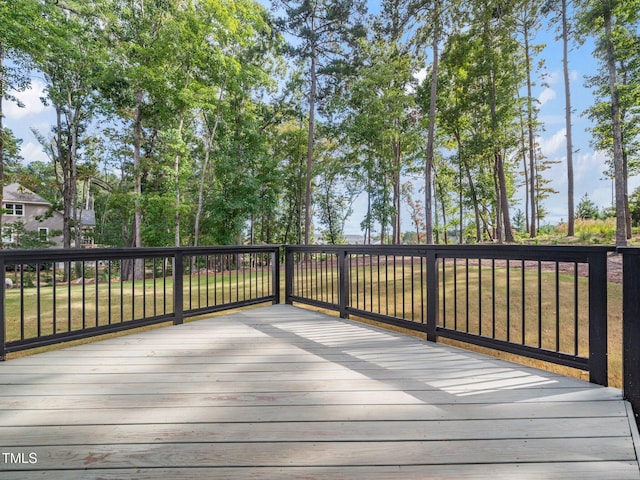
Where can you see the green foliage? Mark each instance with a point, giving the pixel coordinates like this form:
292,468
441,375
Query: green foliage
181,122
634,207
586,209
26,239
519,221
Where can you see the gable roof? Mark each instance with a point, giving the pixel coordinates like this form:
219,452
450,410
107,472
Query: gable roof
87,218
15,192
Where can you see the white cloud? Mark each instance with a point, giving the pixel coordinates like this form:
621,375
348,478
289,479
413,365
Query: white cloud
546,95
588,174
552,78
420,75
31,100
588,168
601,195
554,144
549,120
32,152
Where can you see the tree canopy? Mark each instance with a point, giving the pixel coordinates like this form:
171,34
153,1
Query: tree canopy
206,122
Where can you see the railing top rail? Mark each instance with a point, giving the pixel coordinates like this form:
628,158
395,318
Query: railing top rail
526,252
629,250
55,255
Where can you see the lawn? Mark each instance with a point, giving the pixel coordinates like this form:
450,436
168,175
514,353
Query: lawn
74,307
472,299
492,302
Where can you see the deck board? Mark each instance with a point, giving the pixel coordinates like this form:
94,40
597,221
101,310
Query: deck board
283,392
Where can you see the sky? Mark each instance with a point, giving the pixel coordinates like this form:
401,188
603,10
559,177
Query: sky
588,164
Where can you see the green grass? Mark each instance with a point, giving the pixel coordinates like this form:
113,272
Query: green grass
586,232
117,302
475,303
513,317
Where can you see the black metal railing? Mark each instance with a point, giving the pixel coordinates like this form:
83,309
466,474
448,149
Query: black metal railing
548,303
631,327
52,296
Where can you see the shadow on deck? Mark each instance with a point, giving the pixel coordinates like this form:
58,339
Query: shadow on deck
283,392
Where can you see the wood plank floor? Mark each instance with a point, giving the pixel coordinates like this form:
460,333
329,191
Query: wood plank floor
285,393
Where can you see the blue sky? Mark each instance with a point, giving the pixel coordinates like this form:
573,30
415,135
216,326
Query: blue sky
588,164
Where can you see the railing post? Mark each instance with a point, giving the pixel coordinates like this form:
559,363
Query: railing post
276,276
343,283
288,275
433,306
178,291
631,328
3,328
598,369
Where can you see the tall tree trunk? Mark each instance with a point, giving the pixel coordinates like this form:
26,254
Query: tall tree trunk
568,127
66,187
526,180
445,235
176,172
432,126
1,134
498,205
367,234
207,156
476,205
625,174
397,153
460,209
504,199
137,272
309,169
199,205
73,164
532,160
436,219
620,180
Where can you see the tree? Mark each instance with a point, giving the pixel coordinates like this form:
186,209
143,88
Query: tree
519,221
528,20
499,54
586,209
634,206
455,123
433,19
67,51
611,20
416,212
482,72
560,10
382,125
323,28
627,43
17,21
27,239
135,86
334,193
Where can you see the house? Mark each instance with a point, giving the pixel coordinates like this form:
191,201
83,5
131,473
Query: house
87,219
354,239
35,214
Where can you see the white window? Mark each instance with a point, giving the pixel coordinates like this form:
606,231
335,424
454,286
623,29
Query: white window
43,233
9,237
14,209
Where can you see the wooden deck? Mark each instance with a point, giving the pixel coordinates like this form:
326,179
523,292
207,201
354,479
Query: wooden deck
284,393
